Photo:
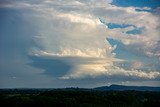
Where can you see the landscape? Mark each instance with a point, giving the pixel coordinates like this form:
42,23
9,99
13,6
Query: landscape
109,96
80,53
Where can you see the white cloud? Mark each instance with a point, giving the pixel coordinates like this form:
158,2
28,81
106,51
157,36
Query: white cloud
94,70
99,53
79,18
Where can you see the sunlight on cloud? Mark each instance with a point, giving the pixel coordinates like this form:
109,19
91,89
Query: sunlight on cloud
75,52
94,70
78,18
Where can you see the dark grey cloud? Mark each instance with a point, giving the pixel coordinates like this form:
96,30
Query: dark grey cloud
52,67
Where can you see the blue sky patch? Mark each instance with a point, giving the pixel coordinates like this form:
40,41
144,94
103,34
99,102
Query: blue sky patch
115,42
144,10
114,25
136,31
122,51
137,3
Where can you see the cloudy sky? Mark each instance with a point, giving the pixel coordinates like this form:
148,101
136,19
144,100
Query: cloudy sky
79,43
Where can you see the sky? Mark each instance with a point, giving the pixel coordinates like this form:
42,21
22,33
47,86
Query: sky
79,43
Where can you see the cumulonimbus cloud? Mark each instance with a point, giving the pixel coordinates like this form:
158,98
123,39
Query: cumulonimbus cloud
78,33
73,29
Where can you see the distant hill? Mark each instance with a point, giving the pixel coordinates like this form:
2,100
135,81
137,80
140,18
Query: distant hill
123,88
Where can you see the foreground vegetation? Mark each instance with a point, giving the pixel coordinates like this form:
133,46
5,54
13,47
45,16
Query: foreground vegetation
77,98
